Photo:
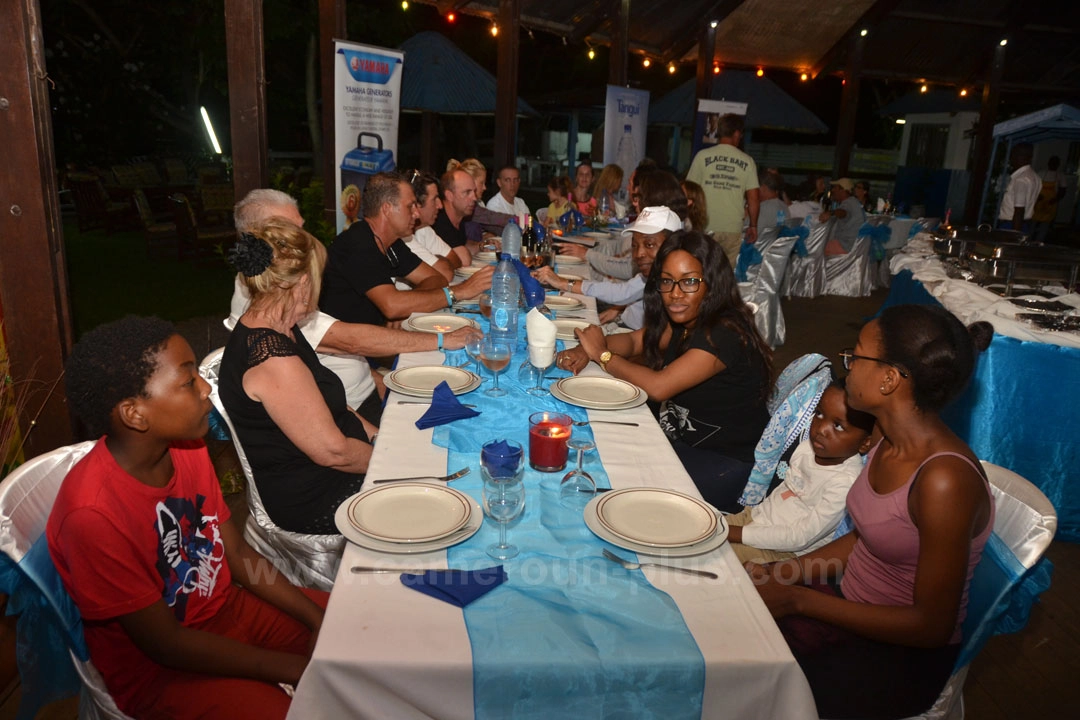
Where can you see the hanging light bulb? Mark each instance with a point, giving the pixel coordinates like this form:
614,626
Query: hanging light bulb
646,62
804,77
716,69
592,53
760,72
494,30
451,17
404,4
671,68
963,92
923,88
864,32
713,24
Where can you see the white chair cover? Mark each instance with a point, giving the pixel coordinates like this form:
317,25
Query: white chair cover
306,560
850,275
1025,522
26,498
763,286
806,275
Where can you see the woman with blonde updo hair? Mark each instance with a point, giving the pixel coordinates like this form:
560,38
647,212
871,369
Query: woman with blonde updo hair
475,168
307,448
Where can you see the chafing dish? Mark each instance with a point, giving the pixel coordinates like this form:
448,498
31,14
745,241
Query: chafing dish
1015,262
956,241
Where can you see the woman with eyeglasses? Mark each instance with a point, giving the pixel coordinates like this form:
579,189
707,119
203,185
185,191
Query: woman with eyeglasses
883,640
701,360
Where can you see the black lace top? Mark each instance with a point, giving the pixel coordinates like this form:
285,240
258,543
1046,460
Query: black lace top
298,494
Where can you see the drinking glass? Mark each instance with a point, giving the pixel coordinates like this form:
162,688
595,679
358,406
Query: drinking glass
472,349
540,358
578,486
495,354
485,306
502,465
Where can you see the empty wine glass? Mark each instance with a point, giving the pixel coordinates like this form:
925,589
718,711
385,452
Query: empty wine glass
495,354
502,465
578,486
472,349
540,358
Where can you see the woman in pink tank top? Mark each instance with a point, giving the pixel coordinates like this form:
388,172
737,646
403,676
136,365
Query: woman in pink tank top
883,642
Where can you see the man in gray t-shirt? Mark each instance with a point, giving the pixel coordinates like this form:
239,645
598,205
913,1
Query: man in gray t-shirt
849,217
771,184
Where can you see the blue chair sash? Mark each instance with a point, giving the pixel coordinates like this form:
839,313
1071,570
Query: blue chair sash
749,255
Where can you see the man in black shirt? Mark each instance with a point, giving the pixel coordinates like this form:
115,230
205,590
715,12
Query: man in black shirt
459,202
358,283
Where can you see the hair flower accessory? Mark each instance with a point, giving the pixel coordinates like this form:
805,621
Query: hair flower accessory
250,255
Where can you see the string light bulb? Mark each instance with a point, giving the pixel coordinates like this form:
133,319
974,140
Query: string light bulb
671,68
1004,42
713,24
451,17
404,4
963,92
804,77
646,62
923,88
494,30
760,72
864,32
716,69
592,53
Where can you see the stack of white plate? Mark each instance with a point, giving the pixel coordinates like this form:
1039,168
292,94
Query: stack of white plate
437,323
409,517
565,327
484,257
597,392
421,380
563,302
656,521
466,271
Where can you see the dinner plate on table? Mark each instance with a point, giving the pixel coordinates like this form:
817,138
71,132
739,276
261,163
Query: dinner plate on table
563,302
485,257
345,526
598,392
656,517
467,270
570,278
564,329
710,543
409,512
421,380
437,323
568,260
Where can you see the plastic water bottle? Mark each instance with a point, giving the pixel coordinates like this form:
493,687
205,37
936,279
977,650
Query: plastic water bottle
626,153
505,288
511,239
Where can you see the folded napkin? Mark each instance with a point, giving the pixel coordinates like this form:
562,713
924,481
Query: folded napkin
457,587
539,330
445,408
534,291
500,459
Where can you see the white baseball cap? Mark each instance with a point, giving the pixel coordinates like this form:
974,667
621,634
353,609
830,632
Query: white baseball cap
654,219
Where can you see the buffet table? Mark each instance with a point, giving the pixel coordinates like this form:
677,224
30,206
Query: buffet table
589,649
1022,405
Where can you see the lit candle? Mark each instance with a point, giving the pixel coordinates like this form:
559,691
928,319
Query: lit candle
548,433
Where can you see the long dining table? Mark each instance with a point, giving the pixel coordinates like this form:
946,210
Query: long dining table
568,634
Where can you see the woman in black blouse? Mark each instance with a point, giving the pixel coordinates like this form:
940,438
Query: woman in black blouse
701,358
308,450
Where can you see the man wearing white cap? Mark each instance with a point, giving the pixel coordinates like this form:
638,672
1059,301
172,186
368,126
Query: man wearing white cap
653,226
849,218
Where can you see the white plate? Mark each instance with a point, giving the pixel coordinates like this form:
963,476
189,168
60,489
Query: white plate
341,519
468,270
564,329
555,391
598,390
656,517
598,235
409,512
568,260
420,381
562,302
485,256
708,545
438,323
570,278
618,331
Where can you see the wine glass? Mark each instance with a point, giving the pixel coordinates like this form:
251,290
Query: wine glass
540,358
485,306
502,465
578,486
495,354
472,349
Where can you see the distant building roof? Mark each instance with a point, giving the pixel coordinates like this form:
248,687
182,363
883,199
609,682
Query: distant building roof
769,106
1058,121
933,101
441,78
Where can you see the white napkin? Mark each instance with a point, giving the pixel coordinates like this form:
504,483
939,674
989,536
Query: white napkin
539,330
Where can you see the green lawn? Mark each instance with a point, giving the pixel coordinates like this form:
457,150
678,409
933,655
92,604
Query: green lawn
112,276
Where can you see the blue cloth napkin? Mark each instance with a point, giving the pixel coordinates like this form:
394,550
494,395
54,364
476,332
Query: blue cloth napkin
500,459
445,408
457,587
748,255
534,291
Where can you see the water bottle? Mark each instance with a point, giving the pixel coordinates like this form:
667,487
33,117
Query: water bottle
505,288
781,217
511,239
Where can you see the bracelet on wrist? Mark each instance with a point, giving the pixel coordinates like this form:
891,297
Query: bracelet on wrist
440,342
450,297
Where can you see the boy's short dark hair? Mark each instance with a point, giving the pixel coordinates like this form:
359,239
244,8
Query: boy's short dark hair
856,418
111,363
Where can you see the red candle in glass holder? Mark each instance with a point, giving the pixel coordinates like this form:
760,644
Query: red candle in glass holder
548,433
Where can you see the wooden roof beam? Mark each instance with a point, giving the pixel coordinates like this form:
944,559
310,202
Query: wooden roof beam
591,21
689,35
873,15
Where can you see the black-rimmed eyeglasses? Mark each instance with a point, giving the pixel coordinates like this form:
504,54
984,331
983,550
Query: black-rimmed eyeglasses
848,354
688,285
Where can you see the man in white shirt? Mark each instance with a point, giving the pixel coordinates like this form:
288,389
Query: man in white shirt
506,200
425,242
1018,203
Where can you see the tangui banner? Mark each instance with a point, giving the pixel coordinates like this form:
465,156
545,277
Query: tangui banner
707,125
624,130
367,106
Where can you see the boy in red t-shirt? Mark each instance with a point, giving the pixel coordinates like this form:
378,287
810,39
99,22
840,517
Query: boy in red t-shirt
182,617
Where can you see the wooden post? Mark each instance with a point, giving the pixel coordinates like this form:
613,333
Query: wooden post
849,107
705,55
506,95
331,27
620,45
33,273
247,95
984,138
428,129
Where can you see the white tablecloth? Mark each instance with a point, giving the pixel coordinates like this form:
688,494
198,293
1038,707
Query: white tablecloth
386,651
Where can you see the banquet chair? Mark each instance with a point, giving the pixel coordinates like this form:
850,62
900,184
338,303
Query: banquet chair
26,498
763,286
306,560
806,275
1007,580
850,274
